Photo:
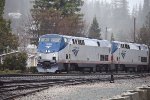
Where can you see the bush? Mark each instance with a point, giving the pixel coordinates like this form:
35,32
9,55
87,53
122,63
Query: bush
16,62
32,69
7,71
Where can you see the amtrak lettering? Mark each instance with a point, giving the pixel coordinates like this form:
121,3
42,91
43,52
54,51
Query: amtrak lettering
75,51
123,54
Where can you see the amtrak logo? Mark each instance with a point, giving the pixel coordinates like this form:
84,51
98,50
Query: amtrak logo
123,54
75,51
48,47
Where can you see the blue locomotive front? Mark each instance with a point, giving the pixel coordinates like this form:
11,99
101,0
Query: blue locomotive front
48,48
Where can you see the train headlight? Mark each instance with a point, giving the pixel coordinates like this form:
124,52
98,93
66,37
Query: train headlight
49,51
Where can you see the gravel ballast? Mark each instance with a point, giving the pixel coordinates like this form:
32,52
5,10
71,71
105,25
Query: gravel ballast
94,91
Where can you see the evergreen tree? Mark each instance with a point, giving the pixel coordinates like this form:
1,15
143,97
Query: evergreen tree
57,16
144,34
139,18
94,31
8,41
146,9
120,17
2,4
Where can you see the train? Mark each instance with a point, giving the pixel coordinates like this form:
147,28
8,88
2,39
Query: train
62,53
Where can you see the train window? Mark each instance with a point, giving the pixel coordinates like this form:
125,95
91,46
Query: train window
128,47
67,56
54,58
106,57
73,41
55,39
102,58
65,39
76,41
98,44
79,42
117,58
44,39
83,42
122,45
139,47
143,59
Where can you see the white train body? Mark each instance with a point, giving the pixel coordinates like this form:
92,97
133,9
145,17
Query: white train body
130,54
60,52
78,51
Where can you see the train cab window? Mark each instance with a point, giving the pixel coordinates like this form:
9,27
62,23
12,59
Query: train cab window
98,44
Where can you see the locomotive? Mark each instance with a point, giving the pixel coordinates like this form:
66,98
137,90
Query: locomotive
57,53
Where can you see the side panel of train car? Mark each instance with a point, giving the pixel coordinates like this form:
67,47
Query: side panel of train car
60,53
130,55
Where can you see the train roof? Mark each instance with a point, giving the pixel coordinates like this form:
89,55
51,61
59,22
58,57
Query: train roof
90,42
135,46
87,41
94,42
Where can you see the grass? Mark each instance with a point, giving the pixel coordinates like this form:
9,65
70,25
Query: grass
9,71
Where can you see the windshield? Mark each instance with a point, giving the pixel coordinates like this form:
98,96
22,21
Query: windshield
44,39
55,39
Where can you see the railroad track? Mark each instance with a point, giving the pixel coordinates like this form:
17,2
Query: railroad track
21,85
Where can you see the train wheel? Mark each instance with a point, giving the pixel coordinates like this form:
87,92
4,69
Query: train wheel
106,68
116,68
98,69
126,69
91,70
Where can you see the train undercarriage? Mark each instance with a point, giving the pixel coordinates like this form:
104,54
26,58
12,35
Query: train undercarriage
52,67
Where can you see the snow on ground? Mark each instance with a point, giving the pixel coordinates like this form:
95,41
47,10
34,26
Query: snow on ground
95,91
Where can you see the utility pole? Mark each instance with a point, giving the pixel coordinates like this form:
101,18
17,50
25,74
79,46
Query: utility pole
134,27
106,34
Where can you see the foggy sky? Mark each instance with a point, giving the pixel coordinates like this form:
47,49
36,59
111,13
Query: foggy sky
132,3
